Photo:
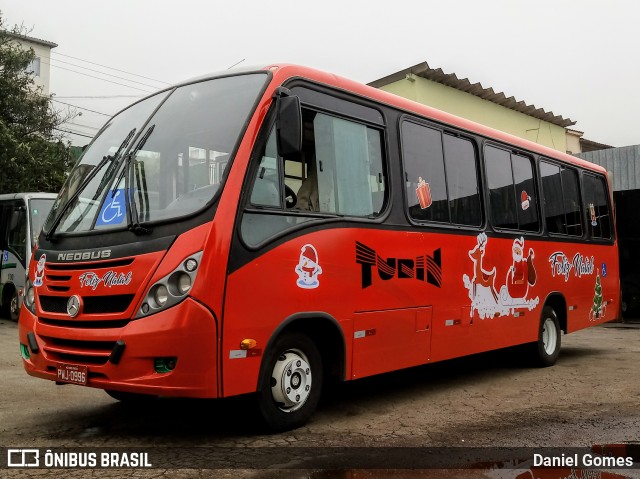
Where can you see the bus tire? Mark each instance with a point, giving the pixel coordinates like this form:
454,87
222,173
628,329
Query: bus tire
14,306
292,382
547,349
130,398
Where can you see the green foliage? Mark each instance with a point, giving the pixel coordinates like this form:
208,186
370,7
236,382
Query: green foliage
33,154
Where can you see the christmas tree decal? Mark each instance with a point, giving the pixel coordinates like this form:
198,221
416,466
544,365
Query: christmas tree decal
598,309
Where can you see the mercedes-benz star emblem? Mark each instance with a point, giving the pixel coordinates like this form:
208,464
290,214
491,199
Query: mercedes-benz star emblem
73,306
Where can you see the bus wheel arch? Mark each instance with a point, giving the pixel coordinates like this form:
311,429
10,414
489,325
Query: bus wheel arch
558,303
301,353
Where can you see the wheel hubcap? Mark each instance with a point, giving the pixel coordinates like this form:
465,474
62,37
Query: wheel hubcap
549,336
291,380
14,305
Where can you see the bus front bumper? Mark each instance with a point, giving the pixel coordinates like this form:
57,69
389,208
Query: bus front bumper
186,333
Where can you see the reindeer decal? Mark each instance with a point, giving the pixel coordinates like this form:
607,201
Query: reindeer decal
482,277
484,296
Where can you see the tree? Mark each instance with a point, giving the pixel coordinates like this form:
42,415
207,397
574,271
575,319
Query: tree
34,156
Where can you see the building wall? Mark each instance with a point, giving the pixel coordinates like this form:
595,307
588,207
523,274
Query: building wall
44,53
476,109
622,164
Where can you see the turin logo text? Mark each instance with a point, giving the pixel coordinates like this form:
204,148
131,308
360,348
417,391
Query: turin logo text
426,267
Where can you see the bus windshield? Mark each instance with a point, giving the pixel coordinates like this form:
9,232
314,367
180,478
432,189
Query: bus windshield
170,150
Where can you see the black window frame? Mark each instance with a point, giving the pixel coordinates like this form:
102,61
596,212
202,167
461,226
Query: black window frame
537,188
586,219
341,105
578,174
443,129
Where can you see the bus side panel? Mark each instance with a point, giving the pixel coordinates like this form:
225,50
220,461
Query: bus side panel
405,298
388,340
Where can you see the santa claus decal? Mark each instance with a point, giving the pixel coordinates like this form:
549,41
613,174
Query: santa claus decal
522,274
308,268
489,299
37,280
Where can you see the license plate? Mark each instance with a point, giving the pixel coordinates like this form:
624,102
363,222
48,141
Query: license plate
72,373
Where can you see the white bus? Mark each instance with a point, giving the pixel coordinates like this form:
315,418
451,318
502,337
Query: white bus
21,219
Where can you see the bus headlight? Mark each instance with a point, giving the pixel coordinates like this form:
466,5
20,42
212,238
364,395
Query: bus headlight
171,289
160,295
180,283
30,297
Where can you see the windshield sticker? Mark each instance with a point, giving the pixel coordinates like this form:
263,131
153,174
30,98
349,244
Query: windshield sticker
400,268
525,200
580,265
592,212
109,279
113,209
308,268
486,298
37,281
5,256
424,193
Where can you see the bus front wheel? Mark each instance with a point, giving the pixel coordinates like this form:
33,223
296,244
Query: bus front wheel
547,349
291,382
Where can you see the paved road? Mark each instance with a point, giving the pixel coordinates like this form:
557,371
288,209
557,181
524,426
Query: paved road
592,396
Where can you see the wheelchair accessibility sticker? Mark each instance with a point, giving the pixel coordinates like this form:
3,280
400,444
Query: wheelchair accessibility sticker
113,209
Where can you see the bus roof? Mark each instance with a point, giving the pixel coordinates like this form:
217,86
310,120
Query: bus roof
283,72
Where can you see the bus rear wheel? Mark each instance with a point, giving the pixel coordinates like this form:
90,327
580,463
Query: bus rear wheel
547,349
291,382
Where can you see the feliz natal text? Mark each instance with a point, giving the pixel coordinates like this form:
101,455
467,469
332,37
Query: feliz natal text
581,265
109,279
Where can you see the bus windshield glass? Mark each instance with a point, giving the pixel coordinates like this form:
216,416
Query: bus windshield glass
170,150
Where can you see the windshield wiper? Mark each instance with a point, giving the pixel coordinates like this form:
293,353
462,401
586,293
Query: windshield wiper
92,174
133,220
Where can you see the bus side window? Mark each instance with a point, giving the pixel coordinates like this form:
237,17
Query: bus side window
266,189
553,201
572,210
334,173
339,172
563,214
511,190
597,207
423,159
460,160
441,176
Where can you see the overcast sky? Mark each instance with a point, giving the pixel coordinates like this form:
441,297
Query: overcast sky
578,59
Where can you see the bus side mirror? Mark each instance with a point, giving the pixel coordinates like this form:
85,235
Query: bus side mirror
288,124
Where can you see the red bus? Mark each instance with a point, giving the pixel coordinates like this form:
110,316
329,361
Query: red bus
266,231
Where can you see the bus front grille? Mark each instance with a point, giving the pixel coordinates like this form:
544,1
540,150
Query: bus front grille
78,351
117,303
81,324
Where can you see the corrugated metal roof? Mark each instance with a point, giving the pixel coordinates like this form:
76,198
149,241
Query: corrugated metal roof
623,165
32,39
423,70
